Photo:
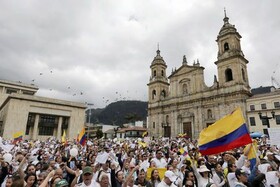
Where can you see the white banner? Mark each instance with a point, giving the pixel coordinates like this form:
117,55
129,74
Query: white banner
274,134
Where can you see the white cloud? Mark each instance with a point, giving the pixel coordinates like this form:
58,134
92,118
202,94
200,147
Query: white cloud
104,48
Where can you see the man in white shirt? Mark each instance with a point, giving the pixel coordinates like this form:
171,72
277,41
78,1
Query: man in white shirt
144,163
87,178
169,178
159,161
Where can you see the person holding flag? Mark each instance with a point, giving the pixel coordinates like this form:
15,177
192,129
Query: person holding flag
225,134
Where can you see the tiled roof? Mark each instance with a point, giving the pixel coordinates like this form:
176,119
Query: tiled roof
134,128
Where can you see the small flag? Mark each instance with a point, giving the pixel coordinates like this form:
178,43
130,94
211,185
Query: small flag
225,134
82,137
63,138
145,134
17,137
184,151
182,135
143,144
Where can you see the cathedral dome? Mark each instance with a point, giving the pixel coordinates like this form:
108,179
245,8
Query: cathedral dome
158,59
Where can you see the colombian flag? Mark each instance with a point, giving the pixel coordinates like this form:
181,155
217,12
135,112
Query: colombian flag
82,137
225,134
184,151
17,137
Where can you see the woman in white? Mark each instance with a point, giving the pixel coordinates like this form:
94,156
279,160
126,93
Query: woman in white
231,175
203,176
218,176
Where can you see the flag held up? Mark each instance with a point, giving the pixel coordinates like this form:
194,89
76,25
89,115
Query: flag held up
225,134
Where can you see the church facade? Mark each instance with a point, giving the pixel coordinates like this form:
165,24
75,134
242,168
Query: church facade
183,103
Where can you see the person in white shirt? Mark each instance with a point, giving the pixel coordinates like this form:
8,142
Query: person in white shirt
87,176
159,161
231,174
203,175
169,178
144,163
242,178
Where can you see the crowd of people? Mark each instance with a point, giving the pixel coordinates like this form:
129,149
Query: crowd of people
162,162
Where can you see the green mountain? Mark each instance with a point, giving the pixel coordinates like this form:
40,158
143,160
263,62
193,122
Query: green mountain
119,113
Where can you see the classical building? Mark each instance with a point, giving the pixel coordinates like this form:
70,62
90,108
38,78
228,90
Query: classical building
263,109
37,117
182,103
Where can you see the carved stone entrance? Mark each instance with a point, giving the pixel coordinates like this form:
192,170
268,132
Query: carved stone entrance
187,128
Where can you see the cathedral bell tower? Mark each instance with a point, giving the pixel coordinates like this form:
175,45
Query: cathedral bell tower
231,63
158,85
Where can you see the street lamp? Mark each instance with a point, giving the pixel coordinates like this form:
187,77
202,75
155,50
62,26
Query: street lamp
89,108
267,118
89,116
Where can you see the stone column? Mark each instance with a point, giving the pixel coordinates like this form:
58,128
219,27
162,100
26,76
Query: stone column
58,135
35,129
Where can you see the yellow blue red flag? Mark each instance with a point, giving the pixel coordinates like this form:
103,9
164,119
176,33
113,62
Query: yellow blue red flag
82,137
17,137
225,134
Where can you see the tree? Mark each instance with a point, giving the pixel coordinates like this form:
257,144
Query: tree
99,133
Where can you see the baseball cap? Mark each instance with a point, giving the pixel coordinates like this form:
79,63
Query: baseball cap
62,183
169,174
87,169
239,172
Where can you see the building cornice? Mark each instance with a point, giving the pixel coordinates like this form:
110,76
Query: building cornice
44,100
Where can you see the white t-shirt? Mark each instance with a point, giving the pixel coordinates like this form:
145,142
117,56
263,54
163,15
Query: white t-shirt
232,179
160,163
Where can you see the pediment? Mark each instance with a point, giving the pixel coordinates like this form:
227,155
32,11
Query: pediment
185,69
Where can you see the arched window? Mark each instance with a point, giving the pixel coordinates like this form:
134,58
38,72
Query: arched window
226,46
209,114
162,73
243,75
155,73
185,88
154,93
163,93
228,74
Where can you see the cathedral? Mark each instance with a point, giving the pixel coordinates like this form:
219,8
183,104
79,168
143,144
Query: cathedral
182,102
